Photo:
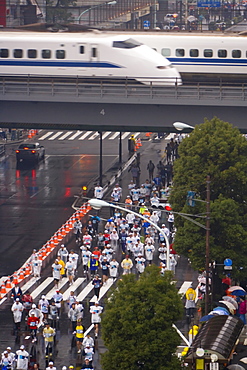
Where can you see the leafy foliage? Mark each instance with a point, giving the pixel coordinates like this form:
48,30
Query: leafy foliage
59,12
217,149
137,323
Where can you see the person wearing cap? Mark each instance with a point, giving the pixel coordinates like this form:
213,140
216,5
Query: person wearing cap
88,353
56,267
96,311
62,264
88,340
49,334
131,145
71,299
6,361
36,266
63,253
51,366
140,264
162,252
166,231
128,202
70,268
97,284
122,238
11,354
79,335
105,269
22,357
32,323
64,368
74,258
126,265
114,239
87,365
17,309
37,313
149,252
73,316
44,306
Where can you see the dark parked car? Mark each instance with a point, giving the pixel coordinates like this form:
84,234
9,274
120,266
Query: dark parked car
30,152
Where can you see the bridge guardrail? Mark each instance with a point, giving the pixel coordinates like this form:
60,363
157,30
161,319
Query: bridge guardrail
127,90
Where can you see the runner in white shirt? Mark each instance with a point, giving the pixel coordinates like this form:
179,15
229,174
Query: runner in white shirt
73,257
22,359
162,250
96,311
140,264
88,341
149,252
36,267
154,217
87,239
86,254
98,192
44,306
70,269
155,201
113,268
130,219
56,267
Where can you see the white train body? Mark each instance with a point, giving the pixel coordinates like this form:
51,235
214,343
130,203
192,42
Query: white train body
83,55
217,54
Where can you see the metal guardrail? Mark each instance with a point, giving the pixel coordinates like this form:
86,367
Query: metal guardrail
128,90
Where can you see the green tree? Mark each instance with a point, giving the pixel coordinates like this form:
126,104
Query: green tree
217,149
137,323
59,11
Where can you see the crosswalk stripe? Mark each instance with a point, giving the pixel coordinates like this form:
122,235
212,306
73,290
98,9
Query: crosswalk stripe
75,135
125,135
28,285
41,287
73,287
51,293
85,292
107,133
114,136
103,290
136,134
46,135
65,135
55,135
85,135
93,136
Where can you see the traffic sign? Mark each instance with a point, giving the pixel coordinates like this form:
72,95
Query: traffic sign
208,4
146,24
227,262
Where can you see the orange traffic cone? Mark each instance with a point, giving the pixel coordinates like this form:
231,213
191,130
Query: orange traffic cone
63,231
8,284
88,207
48,247
148,134
59,235
15,279
21,274
139,143
43,250
67,229
55,239
30,134
3,290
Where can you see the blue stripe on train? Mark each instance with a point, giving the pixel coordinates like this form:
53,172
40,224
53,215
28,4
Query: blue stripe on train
208,61
55,63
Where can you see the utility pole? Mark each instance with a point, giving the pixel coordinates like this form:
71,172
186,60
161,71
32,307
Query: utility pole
207,243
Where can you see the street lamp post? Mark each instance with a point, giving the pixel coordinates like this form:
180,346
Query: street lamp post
94,7
180,126
99,203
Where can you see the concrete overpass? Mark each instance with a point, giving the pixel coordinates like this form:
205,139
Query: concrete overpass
72,104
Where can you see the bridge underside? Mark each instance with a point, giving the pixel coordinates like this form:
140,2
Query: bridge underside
113,117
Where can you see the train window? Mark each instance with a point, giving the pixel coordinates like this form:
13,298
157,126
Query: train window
208,53
94,52
166,52
222,53
18,53
126,44
46,54
60,54
179,52
32,53
194,53
82,49
4,53
236,53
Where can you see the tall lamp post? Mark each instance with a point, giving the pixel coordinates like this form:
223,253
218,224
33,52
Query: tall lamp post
99,203
94,7
181,126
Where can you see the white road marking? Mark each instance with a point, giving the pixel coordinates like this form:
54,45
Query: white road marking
73,287
85,135
65,135
85,292
41,287
46,135
55,136
103,290
184,287
28,285
136,134
93,136
51,293
75,135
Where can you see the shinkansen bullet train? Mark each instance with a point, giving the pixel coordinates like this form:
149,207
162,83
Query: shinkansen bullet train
201,55
84,55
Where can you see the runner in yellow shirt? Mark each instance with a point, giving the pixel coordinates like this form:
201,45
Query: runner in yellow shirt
79,334
61,262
